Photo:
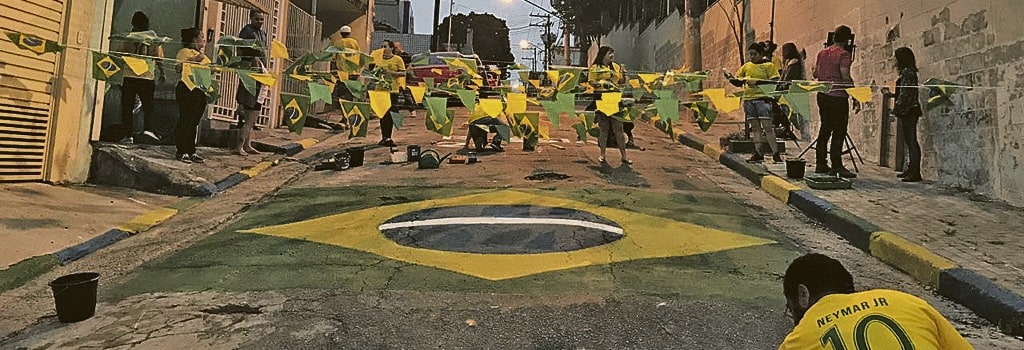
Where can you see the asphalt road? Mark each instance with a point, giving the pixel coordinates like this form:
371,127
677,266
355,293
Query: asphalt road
673,252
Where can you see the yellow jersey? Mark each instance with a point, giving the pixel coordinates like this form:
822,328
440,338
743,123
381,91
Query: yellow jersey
394,63
605,78
760,71
345,43
186,55
874,319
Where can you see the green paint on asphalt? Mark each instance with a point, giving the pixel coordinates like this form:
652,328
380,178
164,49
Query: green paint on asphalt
26,270
232,261
186,203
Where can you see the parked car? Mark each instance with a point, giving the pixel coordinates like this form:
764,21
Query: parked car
436,64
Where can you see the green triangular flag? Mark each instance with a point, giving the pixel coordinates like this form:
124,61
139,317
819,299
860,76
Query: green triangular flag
767,89
705,115
939,92
581,131
355,87
319,92
421,59
468,98
663,94
250,84
504,132
34,43
441,124
356,114
668,108
148,37
568,79
107,68
665,126
800,104
528,124
202,77
398,118
524,78
436,107
295,109
429,82
234,41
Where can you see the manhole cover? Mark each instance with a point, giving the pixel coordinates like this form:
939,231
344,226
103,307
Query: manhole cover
547,175
501,229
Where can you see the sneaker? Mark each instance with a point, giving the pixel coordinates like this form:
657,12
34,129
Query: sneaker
196,158
631,144
844,173
777,158
184,158
148,137
127,140
756,158
388,143
912,178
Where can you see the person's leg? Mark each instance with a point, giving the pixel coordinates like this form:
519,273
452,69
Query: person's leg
245,146
128,93
181,96
914,148
764,117
627,128
387,124
825,109
198,108
750,114
620,138
603,124
842,113
145,91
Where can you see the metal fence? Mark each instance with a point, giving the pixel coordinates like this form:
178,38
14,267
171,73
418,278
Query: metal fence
231,19
303,34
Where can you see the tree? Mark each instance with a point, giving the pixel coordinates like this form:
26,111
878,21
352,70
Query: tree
737,22
490,35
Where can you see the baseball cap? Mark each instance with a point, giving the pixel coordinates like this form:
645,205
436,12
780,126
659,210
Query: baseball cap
345,29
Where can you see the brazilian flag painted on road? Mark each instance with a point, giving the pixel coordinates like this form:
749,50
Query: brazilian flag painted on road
107,68
295,109
34,43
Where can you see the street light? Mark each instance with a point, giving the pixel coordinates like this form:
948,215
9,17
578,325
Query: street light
526,45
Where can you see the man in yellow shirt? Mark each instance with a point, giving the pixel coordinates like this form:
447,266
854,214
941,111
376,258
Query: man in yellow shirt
394,75
829,314
343,39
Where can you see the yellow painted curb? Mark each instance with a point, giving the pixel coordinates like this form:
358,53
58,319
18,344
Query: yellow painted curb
778,187
146,220
256,169
307,143
713,151
915,260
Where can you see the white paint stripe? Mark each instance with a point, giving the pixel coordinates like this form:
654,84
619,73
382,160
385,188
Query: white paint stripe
483,220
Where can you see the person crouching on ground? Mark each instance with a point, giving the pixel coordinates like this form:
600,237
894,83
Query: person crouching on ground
757,106
827,313
606,75
191,103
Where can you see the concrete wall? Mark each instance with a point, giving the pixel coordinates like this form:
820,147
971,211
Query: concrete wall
974,145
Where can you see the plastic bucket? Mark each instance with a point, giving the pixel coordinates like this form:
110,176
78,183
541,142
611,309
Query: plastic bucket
414,152
355,156
795,168
75,296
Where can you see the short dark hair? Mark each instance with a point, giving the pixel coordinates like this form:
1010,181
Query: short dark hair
759,47
188,36
843,34
140,21
390,44
254,13
905,59
789,52
819,273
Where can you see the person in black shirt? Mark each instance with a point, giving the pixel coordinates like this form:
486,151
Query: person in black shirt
249,104
908,110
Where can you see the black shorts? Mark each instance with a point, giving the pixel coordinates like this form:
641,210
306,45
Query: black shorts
245,98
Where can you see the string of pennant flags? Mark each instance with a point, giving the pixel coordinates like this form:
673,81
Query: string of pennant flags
372,91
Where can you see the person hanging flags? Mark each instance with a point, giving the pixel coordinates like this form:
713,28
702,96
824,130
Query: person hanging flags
34,43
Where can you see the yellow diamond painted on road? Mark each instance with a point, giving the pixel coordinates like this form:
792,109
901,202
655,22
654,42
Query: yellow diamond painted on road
645,237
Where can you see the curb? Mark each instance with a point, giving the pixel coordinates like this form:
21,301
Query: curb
989,300
22,272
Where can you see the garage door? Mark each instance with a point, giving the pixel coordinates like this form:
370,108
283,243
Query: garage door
25,88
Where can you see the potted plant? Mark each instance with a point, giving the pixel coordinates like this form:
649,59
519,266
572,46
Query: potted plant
740,142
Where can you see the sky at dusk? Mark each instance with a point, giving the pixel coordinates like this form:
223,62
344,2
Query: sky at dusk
516,14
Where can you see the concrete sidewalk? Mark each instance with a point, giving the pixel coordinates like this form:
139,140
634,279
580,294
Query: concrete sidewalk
45,225
964,245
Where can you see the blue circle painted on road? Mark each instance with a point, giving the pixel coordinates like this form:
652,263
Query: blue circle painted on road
501,229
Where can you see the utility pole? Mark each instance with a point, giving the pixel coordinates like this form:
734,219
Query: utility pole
546,38
436,42
450,7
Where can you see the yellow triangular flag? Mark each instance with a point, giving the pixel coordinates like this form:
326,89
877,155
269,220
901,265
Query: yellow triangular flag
607,107
378,56
490,106
635,83
478,82
648,77
533,101
137,65
544,131
722,104
437,71
553,76
612,97
516,103
380,102
186,76
860,93
417,93
535,83
264,78
278,50
300,77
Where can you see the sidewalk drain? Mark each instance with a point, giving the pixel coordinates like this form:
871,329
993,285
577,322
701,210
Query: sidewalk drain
233,309
547,175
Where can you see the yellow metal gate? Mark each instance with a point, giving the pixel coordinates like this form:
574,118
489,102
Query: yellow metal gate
26,82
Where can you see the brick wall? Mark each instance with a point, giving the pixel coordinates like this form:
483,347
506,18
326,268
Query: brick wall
975,144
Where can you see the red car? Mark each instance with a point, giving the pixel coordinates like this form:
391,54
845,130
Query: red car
436,64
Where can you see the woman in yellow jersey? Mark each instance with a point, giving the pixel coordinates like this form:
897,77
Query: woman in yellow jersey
756,105
606,75
191,103
394,74
828,314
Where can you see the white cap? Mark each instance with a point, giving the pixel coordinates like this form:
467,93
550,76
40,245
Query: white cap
345,29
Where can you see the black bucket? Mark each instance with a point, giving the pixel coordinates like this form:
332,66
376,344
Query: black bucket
795,168
355,156
75,296
414,152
